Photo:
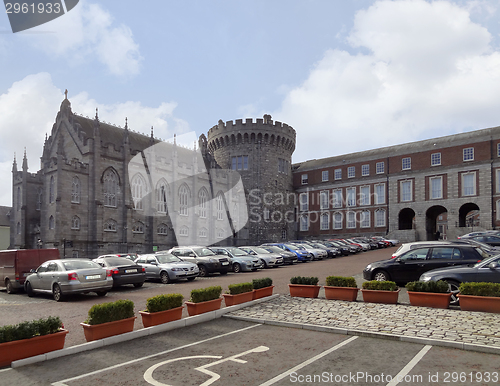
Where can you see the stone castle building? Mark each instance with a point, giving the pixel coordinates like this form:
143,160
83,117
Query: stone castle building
106,189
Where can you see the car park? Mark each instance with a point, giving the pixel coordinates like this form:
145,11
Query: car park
241,260
317,254
208,262
68,276
167,267
288,257
302,255
410,265
405,247
268,259
330,251
364,246
487,270
490,239
343,249
123,270
489,249
354,248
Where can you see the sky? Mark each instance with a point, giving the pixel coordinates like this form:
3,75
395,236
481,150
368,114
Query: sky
346,75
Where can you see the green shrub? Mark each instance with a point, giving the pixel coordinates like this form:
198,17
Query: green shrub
341,281
205,294
235,289
304,280
109,312
262,283
26,330
380,285
480,289
163,302
439,286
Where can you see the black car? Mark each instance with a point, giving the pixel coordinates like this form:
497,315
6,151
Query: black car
410,265
288,257
123,270
487,270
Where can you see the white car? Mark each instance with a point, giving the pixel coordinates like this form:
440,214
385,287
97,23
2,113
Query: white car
318,254
268,259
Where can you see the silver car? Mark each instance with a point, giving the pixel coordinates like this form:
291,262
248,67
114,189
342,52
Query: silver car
167,267
267,258
68,276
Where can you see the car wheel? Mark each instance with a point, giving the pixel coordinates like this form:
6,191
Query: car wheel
29,289
9,287
203,271
165,279
57,293
264,264
236,268
101,293
138,285
381,276
453,287
191,278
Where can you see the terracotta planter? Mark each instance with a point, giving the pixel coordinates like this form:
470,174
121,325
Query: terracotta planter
375,296
479,303
155,318
304,290
232,300
341,293
202,307
25,348
429,299
262,292
105,330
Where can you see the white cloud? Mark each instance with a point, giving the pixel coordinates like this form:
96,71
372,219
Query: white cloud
28,110
86,33
419,69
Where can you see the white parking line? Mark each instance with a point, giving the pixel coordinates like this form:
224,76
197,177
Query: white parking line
63,382
400,377
309,361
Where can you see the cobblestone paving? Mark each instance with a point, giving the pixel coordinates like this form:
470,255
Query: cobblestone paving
403,320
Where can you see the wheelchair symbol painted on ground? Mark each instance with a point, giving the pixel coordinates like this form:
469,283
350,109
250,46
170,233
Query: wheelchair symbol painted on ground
148,375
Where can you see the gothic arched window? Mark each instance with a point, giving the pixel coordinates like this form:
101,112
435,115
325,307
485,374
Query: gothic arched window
75,190
161,196
139,190
202,202
110,188
52,188
183,200
75,222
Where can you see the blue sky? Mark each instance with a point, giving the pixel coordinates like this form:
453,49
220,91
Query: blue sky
347,75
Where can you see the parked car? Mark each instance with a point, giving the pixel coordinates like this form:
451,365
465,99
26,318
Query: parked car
208,262
317,254
489,249
302,255
490,239
405,247
354,248
364,246
167,267
123,270
343,249
410,265
268,259
487,270
68,276
288,257
241,260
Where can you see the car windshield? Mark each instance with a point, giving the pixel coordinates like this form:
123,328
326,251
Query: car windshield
80,264
292,246
273,249
260,250
237,251
203,252
167,258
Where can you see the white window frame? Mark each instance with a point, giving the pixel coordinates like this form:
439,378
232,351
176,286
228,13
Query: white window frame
139,190
351,197
435,159
336,217
324,176
161,196
203,203
380,168
351,172
324,199
406,163
380,194
365,219
183,200
324,225
365,170
337,198
184,231
75,190
436,191
474,187
380,218
75,223
304,178
364,197
162,229
338,174
351,220
304,202
468,154
402,184
219,200
304,222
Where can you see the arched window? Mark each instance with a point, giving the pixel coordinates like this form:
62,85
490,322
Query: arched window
203,232
183,200
110,188
110,226
162,229
51,222
202,202
18,198
139,191
52,188
138,227
39,199
220,206
75,222
75,190
325,221
184,231
161,196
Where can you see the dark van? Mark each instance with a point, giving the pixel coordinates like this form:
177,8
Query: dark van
16,264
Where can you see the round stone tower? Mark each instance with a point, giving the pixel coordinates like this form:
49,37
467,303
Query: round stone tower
261,151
